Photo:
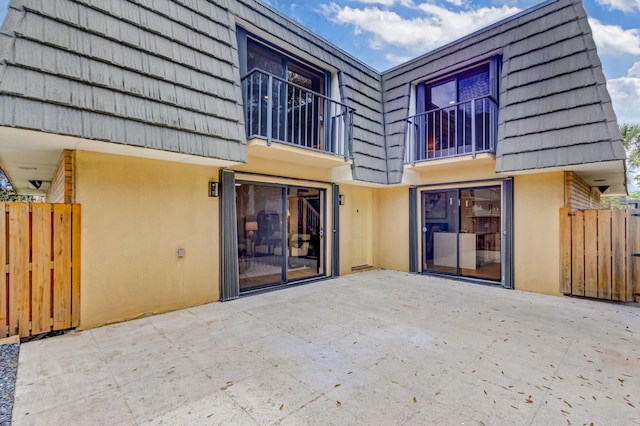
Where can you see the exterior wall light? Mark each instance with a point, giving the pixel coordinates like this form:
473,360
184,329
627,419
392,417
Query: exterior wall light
213,189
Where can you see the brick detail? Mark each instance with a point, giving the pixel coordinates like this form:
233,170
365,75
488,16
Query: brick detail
578,193
61,189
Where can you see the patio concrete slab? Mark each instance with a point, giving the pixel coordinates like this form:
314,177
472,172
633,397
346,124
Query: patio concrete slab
378,347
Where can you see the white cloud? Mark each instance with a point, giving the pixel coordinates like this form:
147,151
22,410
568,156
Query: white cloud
614,39
397,59
382,2
624,5
433,25
625,94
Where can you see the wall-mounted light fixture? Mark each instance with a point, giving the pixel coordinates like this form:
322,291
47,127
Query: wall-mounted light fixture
213,189
341,199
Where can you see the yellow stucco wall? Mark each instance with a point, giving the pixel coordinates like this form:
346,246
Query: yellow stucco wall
345,227
391,247
537,199
135,214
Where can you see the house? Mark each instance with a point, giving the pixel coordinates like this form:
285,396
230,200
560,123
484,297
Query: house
218,148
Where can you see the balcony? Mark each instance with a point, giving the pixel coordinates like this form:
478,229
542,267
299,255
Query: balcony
464,128
277,110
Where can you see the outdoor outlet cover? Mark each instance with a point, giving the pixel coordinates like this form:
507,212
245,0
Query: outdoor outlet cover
180,252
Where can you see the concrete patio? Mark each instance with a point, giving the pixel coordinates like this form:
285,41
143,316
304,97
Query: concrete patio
378,347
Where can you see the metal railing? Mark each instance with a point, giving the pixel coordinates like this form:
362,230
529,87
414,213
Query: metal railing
463,128
281,111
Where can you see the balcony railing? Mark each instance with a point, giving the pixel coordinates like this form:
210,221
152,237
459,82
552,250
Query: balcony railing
463,128
284,112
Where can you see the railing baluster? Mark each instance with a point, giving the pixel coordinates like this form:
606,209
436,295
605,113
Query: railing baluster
324,125
473,129
460,130
269,110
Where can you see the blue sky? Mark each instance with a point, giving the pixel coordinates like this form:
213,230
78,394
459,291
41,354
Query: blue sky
384,33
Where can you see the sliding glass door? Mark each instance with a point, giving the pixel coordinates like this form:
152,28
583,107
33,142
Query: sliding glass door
462,232
280,233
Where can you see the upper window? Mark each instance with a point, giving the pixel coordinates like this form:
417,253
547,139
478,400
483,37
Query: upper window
456,114
263,57
468,85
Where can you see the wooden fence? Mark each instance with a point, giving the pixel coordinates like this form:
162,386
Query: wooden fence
600,254
40,255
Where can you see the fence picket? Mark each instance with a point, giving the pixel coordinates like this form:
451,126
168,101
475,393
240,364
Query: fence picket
604,254
62,266
19,285
41,268
577,254
75,257
633,248
591,253
618,261
4,285
565,251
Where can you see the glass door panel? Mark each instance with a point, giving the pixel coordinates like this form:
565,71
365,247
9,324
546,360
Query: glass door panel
260,234
305,232
440,231
280,234
462,232
480,232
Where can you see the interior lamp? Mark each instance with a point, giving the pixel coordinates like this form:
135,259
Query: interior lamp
251,228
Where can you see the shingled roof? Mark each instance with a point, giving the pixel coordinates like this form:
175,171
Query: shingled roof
165,75
554,106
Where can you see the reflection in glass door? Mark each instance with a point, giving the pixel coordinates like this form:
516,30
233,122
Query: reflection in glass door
305,231
462,232
480,226
440,231
280,233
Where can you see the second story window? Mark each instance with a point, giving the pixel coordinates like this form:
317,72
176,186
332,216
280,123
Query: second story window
260,56
456,114
461,88
286,99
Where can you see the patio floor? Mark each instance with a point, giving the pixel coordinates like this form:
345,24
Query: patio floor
377,347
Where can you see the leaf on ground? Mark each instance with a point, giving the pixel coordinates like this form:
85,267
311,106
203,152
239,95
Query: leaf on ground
415,400
338,403
281,407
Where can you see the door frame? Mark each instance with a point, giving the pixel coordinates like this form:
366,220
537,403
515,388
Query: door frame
284,184
416,218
